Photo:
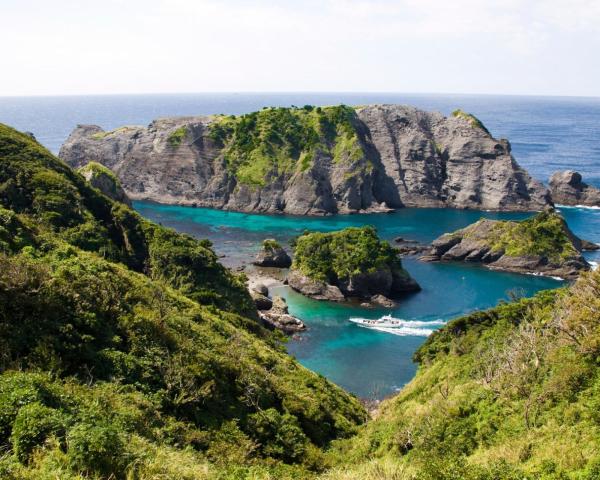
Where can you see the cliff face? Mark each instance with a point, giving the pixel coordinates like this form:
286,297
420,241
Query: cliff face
568,188
313,161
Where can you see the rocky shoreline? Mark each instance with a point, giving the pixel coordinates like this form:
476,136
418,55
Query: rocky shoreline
359,160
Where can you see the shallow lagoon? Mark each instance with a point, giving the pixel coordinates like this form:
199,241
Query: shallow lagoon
369,363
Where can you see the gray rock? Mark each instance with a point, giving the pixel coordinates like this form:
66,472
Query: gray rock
279,317
382,301
313,288
409,158
261,288
474,244
568,188
261,301
272,255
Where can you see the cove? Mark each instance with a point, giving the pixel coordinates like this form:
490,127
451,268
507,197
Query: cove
368,363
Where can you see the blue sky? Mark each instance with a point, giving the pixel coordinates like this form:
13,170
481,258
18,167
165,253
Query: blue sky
545,47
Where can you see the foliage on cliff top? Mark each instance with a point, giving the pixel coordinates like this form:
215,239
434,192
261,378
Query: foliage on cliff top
274,141
177,136
472,119
545,234
96,169
509,393
334,256
125,352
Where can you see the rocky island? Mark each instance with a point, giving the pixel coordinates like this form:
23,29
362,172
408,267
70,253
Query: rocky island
568,188
313,161
350,263
541,244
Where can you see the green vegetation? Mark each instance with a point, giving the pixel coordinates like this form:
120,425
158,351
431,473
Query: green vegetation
509,393
276,141
177,136
124,129
128,351
545,234
99,171
472,119
271,244
334,256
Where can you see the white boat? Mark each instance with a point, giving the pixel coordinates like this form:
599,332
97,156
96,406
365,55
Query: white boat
387,321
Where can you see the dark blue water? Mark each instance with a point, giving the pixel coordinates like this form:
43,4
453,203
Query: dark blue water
547,134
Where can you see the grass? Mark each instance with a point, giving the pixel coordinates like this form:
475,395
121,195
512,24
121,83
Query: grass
472,119
280,141
177,136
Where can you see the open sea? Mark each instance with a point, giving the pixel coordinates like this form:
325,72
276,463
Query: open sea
547,134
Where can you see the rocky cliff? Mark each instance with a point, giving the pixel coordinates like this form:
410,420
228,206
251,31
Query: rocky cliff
541,244
313,161
568,188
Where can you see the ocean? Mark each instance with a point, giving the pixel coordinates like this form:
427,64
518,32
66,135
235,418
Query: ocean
547,134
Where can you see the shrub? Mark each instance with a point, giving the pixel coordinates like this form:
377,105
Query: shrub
279,435
34,423
96,447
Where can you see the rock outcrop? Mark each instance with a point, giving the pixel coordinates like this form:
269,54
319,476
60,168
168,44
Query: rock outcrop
568,188
272,255
279,317
313,161
349,264
542,244
103,179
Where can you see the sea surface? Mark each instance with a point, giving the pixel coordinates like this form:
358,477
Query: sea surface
547,134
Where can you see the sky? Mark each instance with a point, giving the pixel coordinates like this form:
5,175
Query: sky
67,47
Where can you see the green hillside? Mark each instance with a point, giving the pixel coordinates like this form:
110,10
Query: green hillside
508,393
128,351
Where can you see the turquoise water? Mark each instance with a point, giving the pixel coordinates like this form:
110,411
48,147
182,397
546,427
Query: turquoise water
547,134
371,364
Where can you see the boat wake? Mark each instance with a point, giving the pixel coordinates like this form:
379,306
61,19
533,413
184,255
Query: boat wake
396,326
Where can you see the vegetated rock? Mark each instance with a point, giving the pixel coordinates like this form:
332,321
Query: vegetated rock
542,244
278,317
272,255
103,179
314,161
568,188
350,263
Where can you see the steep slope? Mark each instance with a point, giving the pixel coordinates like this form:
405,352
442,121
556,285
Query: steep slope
509,393
127,350
313,161
541,244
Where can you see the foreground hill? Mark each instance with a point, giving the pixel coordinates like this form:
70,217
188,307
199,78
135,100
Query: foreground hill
127,350
314,161
511,393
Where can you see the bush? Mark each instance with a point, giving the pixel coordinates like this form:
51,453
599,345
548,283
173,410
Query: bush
279,435
95,447
34,424
16,391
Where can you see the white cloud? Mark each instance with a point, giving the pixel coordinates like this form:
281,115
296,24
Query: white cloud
497,46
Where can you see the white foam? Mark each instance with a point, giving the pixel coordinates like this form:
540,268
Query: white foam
403,331
587,207
397,326
594,265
